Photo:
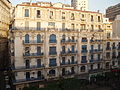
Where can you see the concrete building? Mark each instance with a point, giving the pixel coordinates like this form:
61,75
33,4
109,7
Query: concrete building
5,6
116,27
80,4
49,42
113,11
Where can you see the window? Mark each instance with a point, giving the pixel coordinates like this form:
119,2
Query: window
51,24
72,16
38,14
38,62
83,59
63,38
52,50
92,47
99,57
38,50
27,75
63,15
63,60
38,38
27,38
52,72
84,47
72,26
26,12
27,64
51,14
92,27
92,57
99,46
38,25
52,62
107,54
73,48
52,38
63,49
98,18
63,26
92,18
27,51
83,26
99,27
83,69
72,59
91,67
84,39
113,47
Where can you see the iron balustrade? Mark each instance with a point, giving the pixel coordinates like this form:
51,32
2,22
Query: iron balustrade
33,54
32,42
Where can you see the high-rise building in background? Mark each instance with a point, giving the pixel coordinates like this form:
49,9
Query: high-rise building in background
113,11
116,27
80,4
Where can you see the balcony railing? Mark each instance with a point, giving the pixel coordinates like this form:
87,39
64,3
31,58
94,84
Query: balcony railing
53,41
83,61
84,51
32,42
92,60
52,53
72,52
68,41
28,80
29,67
96,50
51,65
33,54
68,63
108,48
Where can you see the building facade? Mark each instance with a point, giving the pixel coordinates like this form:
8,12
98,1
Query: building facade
113,11
5,7
80,4
52,42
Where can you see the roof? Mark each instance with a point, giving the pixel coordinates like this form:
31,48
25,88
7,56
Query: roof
35,5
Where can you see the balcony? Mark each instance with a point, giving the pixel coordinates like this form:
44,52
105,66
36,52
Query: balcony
68,63
52,53
33,54
28,67
92,60
29,28
96,41
33,42
69,41
96,50
53,65
28,80
84,51
96,70
108,48
53,41
83,61
63,53
72,52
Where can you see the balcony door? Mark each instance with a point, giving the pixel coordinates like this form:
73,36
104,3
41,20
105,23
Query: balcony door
38,50
27,64
27,75
39,74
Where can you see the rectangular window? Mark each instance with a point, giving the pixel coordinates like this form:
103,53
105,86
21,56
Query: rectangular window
63,60
51,24
38,14
72,16
63,26
92,18
38,50
52,50
98,18
63,49
52,62
84,47
26,12
63,15
38,25
99,56
72,26
92,57
51,14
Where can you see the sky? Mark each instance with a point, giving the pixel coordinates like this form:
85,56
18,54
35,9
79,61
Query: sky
94,5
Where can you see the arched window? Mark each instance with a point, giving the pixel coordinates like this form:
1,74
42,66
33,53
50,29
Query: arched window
26,38
52,72
38,38
83,69
52,38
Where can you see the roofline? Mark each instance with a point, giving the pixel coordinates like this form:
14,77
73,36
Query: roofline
57,8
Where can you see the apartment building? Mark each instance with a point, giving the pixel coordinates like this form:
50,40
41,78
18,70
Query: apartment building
53,41
80,4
